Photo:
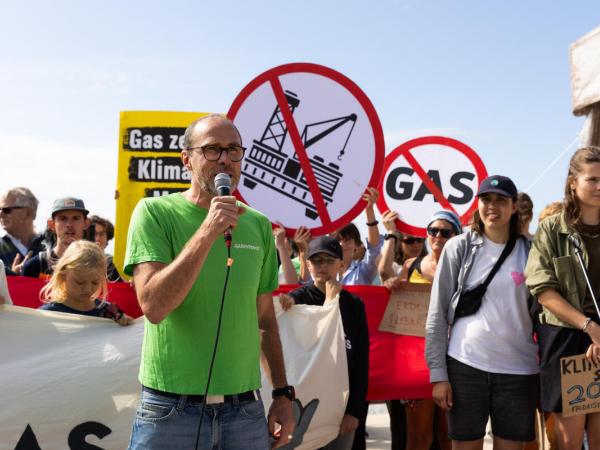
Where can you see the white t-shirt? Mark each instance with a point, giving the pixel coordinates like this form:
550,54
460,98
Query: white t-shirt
498,337
4,285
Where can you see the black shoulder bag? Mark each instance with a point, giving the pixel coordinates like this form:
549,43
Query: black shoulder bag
469,301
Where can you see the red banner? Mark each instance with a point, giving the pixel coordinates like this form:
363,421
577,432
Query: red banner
397,368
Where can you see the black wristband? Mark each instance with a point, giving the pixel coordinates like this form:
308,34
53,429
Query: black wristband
373,224
287,391
390,236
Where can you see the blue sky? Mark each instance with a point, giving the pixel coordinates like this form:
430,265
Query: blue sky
494,75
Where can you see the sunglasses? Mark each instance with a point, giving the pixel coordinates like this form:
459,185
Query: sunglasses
9,209
444,232
412,240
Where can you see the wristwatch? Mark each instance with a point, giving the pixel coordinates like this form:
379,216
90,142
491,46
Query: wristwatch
390,236
287,391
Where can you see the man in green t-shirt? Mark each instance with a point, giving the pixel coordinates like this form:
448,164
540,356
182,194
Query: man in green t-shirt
185,275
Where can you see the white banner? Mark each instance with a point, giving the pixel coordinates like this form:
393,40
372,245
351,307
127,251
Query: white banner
314,349
66,379
69,379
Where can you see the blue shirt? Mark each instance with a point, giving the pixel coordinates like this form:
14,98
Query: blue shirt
364,271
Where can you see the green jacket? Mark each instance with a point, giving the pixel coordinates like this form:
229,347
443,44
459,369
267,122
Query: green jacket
553,264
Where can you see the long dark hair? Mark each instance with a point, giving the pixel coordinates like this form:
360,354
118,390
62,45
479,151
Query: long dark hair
399,256
585,155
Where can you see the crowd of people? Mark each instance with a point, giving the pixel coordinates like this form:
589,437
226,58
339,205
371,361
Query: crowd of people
505,304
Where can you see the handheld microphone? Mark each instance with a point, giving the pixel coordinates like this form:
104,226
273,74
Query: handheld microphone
223,186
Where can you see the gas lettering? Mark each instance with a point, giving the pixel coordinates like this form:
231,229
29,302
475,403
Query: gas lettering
398,186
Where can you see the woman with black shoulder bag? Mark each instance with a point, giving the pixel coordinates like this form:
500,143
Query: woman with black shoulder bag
479,335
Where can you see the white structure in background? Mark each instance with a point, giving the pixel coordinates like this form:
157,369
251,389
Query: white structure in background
585,85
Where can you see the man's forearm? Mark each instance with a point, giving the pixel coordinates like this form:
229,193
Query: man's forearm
271,348
269,341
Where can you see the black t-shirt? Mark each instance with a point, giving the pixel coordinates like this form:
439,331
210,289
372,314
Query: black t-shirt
102,309
354,321
591,237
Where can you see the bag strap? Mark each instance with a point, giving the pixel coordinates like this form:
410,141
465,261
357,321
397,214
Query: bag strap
508,248
416,264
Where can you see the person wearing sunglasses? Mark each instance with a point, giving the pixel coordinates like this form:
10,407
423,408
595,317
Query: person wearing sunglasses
479,343
397,248
18,208
421,414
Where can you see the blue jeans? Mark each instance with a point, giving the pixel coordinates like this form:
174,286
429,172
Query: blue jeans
164,423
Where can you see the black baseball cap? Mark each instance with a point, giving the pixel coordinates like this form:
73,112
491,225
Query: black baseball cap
325,244
498,184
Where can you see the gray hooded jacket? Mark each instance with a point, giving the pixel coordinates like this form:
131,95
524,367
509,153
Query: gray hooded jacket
453,269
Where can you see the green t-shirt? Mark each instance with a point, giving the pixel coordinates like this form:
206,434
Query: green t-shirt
176,352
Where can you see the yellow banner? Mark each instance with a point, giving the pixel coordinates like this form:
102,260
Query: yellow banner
150,144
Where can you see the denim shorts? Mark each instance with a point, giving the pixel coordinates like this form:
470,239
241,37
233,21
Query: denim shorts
164,423
509,400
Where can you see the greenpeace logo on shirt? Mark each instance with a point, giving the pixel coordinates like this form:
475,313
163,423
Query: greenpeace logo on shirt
247,247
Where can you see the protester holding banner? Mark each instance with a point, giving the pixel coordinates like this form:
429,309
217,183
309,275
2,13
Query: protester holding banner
101,231
4,294
325,258
397,248
69,222
78,285
192,283
292,254
361,271
422,414
486,367
569,321
18,208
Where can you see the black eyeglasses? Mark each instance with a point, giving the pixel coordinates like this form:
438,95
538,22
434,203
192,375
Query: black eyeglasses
8,209
213,152
444,232
412,240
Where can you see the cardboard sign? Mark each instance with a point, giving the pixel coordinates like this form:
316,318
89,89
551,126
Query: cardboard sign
426,175
580,383
585,71
406,311
314,142
150,144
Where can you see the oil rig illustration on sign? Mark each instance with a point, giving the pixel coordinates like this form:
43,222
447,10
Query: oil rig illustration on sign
268,165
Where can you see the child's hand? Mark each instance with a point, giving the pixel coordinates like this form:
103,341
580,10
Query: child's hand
124,320
286,302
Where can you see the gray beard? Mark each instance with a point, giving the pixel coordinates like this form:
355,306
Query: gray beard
211,189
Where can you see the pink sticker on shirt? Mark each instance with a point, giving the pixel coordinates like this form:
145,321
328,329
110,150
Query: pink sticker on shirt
518,278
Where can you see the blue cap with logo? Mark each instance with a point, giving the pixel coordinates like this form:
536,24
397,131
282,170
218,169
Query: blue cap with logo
498,184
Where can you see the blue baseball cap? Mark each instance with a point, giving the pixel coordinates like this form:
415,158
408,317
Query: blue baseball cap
498,184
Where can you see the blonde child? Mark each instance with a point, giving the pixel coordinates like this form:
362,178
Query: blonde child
78,285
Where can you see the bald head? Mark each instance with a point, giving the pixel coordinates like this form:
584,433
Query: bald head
211,120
